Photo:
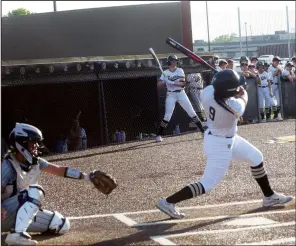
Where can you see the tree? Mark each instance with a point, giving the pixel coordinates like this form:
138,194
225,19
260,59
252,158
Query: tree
18,12
224,38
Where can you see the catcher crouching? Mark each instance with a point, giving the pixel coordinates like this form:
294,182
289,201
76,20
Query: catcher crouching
22,197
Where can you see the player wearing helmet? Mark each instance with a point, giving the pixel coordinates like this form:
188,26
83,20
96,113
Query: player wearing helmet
21,196
224,102
174,79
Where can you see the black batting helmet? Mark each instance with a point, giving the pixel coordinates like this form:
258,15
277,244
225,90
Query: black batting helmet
172,58
225,83
259,64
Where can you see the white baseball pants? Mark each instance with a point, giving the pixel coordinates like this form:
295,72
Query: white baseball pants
182,99
265,98
276,93
220,151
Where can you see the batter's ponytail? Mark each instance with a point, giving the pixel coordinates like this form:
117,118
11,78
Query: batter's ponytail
224,105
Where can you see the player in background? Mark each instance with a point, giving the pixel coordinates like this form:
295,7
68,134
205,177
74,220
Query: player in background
21,196
265,95
174,79
222,65
230,64
224,102
195,87
288,74
275,72
254,61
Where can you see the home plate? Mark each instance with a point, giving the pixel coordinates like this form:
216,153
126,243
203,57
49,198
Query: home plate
250,222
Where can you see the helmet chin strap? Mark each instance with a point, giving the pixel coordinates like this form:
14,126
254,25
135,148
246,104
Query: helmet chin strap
30,159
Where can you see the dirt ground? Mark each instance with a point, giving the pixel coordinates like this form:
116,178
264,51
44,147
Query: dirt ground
231,214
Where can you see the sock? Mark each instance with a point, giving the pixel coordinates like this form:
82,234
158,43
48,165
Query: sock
196,120
260,176
267,111
275,112
188,192
163,125
278,110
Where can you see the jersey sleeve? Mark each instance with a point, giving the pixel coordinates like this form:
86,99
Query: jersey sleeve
181,74
238,105
42,163
7,173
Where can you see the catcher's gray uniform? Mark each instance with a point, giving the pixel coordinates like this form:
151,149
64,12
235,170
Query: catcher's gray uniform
44,220
195,88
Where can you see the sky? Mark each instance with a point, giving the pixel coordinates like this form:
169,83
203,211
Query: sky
262,17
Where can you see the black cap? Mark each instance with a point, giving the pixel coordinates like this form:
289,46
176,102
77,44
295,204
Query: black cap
293,58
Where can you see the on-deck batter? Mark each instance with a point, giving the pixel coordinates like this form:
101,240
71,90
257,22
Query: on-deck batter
174,79
224,102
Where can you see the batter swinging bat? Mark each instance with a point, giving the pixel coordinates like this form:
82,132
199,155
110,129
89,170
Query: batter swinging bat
188,53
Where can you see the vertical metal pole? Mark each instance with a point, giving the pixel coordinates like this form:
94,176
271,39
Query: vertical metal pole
54,6
288,31
240,33
209,44
104,112
246,38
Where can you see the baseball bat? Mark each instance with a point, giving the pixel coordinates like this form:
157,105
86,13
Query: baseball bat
188,53
157,61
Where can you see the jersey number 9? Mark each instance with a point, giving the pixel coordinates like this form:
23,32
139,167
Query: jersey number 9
212,112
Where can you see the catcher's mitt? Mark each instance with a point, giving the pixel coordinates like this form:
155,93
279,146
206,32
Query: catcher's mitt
104,182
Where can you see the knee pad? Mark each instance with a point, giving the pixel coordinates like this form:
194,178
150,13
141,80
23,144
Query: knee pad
30,201
59,224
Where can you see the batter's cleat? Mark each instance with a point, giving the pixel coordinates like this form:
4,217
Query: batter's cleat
19,239
158,139
275,199
169,209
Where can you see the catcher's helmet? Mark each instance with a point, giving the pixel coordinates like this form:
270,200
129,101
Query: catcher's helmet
225,83
19,137
172,58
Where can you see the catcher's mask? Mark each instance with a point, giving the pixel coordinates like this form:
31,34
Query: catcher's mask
226,83
172,58
18,141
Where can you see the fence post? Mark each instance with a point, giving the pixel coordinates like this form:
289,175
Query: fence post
104,112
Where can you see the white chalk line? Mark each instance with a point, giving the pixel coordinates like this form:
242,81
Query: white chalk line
273,242
156,210
206,232
126,220
129,222
176,221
